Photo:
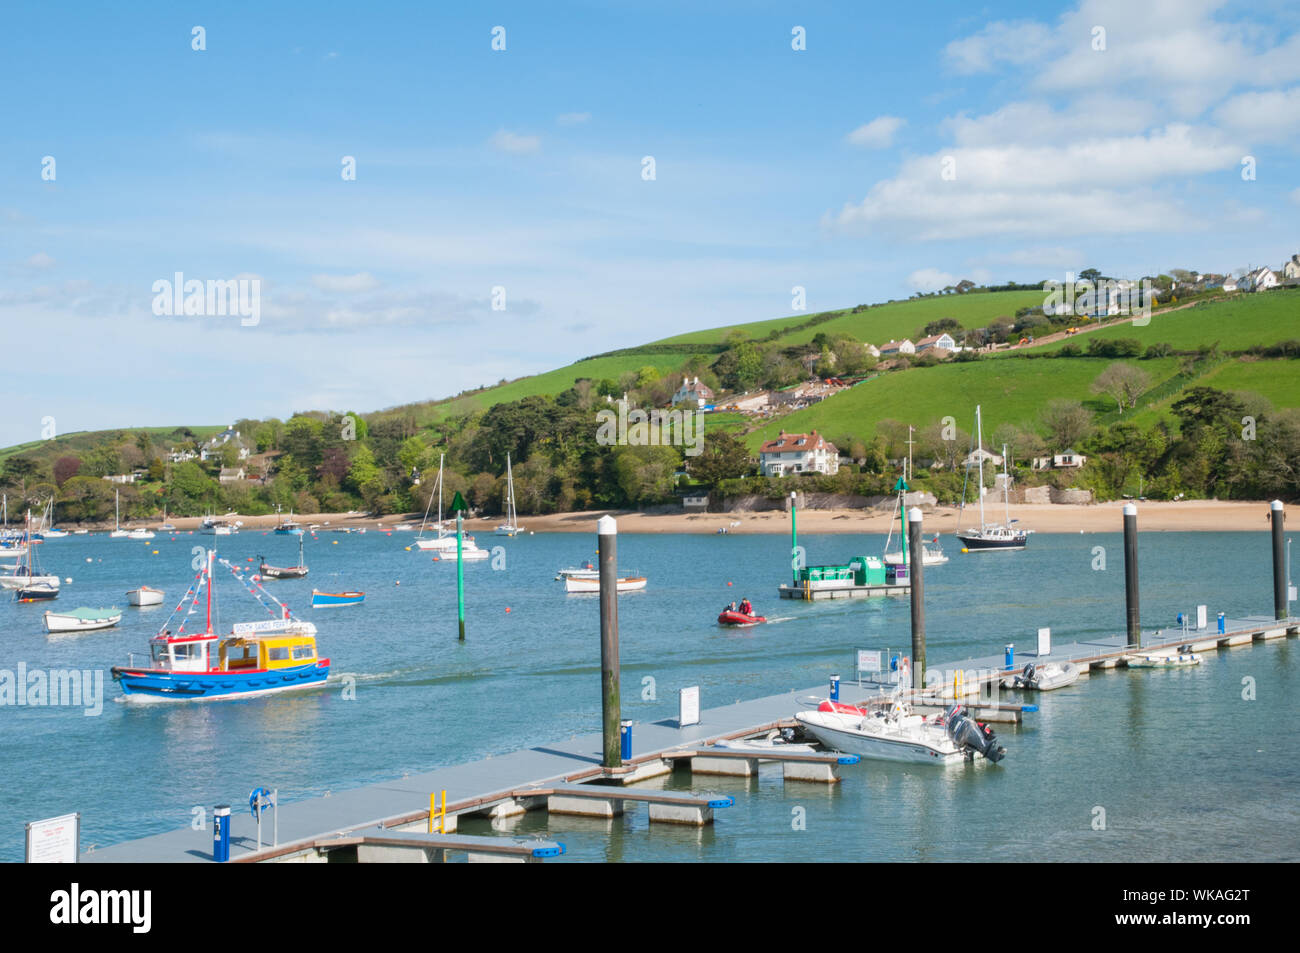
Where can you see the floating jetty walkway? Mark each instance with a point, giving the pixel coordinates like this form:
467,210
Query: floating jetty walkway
390,820
596,775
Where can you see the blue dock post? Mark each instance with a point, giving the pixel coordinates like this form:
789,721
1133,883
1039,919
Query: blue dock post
625,738
1009,656
835,688
221,833
1222,624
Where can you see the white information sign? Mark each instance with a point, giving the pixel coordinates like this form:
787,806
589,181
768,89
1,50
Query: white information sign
868,660
1201,617
55,840
688,706
1044,642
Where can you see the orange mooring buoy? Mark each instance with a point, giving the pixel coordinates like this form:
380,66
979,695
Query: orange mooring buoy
507,610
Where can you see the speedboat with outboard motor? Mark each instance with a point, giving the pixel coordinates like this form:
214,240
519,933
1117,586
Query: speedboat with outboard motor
891,732
1045,677
737,619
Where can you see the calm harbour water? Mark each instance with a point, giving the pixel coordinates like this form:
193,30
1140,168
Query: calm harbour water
1184,768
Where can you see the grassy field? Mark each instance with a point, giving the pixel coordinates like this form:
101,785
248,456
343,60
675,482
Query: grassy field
1010,391
82,441
1235,324
1277,380
882,322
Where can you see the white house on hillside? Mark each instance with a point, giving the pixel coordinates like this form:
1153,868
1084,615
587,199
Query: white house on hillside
798,453
942,341
973,458
1292,267
1261,279
894,348
693,392
218,442
1229,283
1067,460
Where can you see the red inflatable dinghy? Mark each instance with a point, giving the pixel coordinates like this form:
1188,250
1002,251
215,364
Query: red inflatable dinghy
728,617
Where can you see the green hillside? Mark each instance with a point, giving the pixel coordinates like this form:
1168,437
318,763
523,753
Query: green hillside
879,323
1240,322
1010,391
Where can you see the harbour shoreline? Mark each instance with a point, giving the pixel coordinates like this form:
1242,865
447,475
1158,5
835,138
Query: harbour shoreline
1154,516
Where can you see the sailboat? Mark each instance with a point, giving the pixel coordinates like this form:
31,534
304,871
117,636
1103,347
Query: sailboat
12,544
26,576
930,555
991,535
118,532
511,526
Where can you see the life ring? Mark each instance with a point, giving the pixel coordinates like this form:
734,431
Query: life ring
253,799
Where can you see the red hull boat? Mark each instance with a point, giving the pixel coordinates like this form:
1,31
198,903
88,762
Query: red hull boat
728,617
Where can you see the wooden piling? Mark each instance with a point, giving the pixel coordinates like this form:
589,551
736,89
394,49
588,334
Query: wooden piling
1281,606
916,578
1131,576
607,547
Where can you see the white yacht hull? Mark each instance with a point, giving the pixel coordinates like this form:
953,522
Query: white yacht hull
582,584
144,596
68,623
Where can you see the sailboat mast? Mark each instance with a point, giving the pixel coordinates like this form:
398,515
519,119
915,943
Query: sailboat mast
209,592
1006,487
979,458
441,457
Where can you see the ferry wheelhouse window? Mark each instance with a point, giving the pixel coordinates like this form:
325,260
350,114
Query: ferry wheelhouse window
187,651
278,653
303,652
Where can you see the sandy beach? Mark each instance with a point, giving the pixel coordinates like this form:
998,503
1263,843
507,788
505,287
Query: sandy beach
1184,516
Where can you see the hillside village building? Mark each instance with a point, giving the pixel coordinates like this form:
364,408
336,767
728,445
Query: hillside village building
798,453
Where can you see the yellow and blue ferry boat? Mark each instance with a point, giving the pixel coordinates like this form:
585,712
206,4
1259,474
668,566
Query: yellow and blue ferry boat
255,659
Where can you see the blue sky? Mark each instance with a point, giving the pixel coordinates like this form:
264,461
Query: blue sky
523,169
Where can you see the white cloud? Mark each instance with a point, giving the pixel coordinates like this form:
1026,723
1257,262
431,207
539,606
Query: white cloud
505,141
877,134
1017,42
930,279
40,260
1263,116
361,281
573,119
1294,195
1087,186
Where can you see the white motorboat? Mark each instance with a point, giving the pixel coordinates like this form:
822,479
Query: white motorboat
1162,660
511,526
586,572
891,732
23,577
54,533
1046,677
469,552
930,556
141,534
81,620
145,596
592,583
774,743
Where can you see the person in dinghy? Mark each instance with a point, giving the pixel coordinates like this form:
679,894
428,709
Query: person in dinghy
742,615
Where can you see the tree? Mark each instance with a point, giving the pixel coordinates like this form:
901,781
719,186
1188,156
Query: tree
1067,422
1125,383
723,458
65,468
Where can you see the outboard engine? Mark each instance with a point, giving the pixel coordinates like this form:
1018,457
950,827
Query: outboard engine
1026,678
967,733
